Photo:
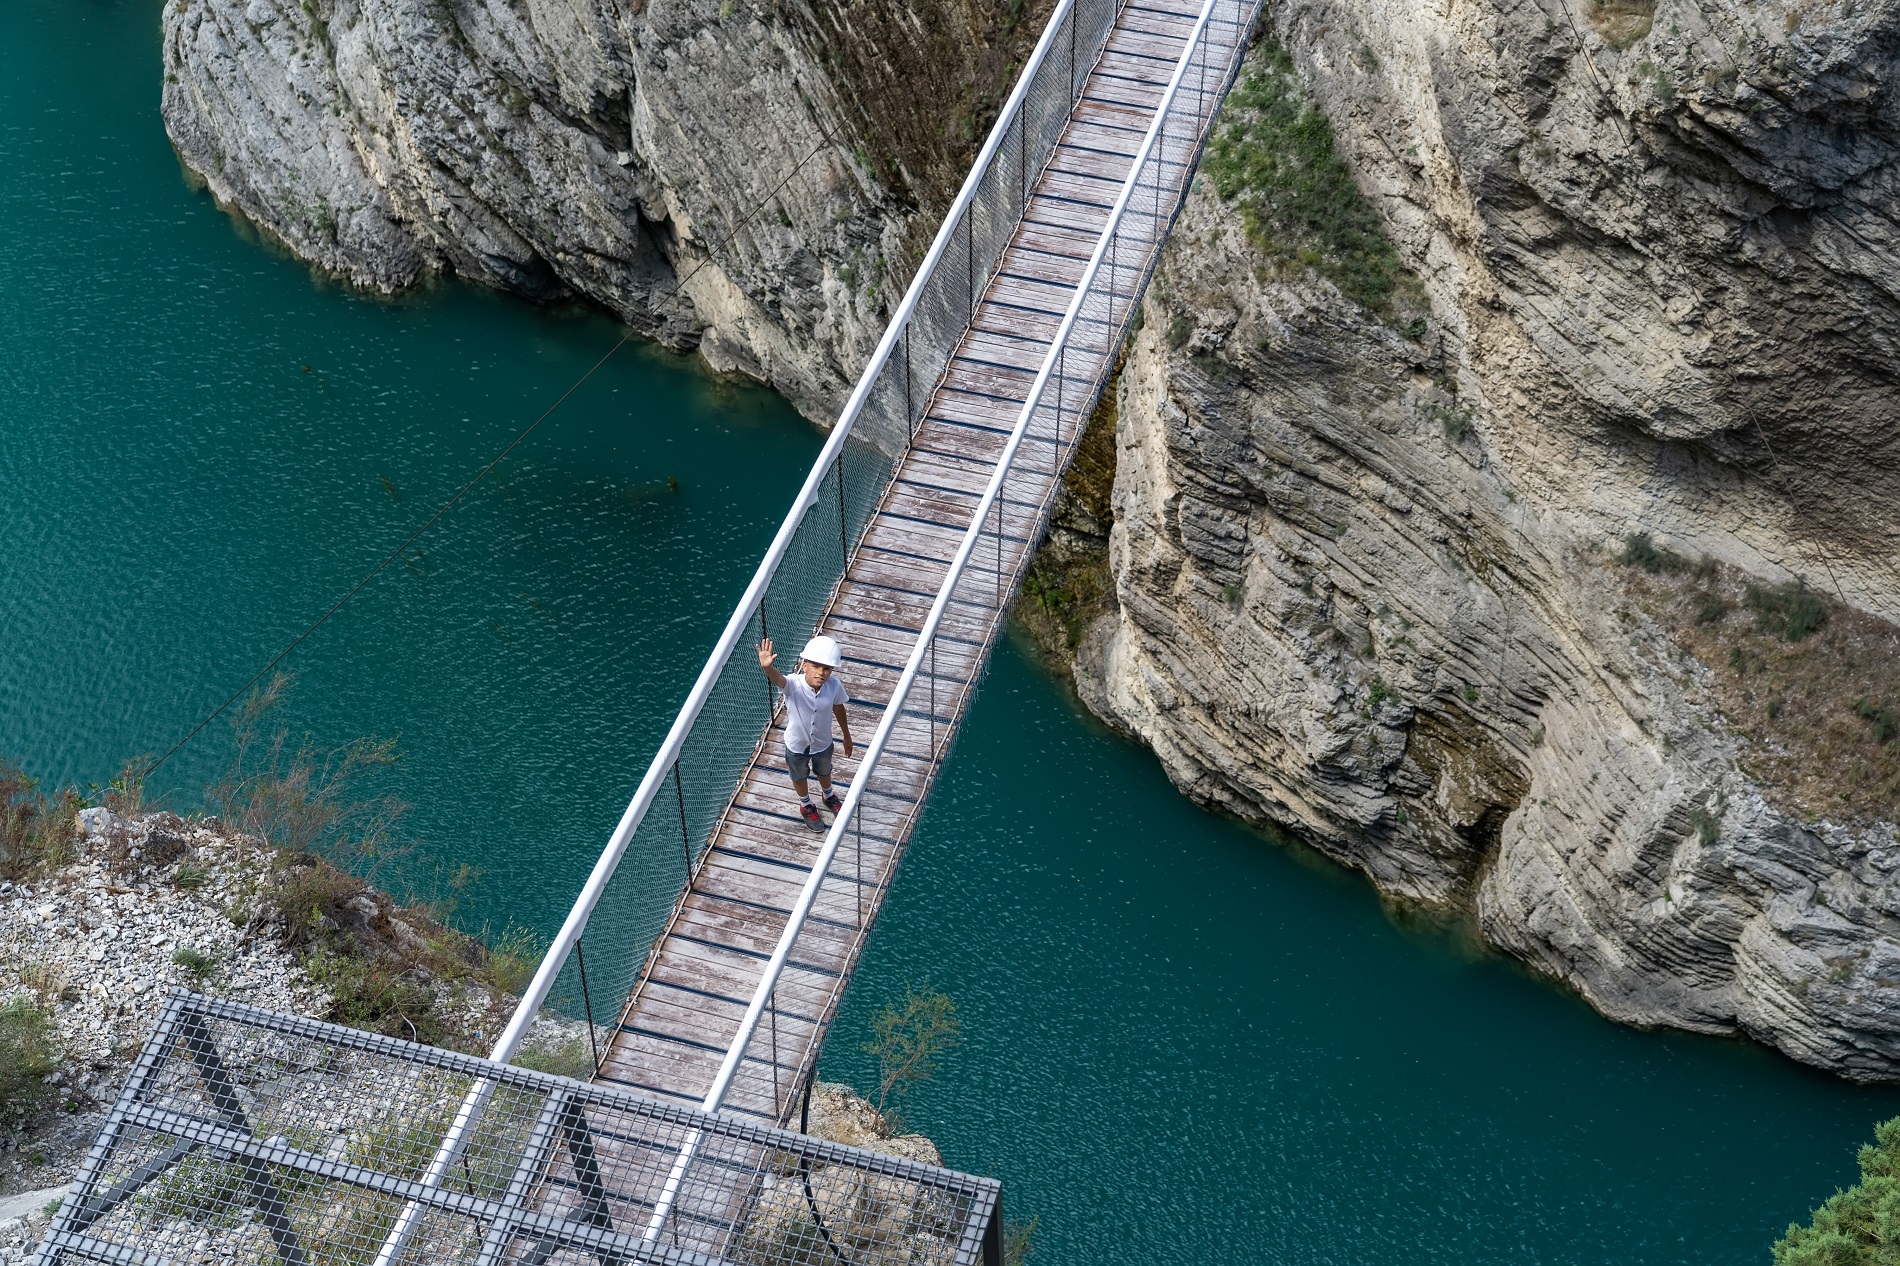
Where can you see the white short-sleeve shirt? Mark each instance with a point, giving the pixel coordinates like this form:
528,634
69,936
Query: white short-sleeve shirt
808,712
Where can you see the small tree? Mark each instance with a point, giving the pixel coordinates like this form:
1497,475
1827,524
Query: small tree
303,799
907,1037
1859,1226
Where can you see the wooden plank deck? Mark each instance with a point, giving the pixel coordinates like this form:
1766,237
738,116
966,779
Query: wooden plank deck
686,1008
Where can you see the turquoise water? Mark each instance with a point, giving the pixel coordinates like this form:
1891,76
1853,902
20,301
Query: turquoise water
1184,1042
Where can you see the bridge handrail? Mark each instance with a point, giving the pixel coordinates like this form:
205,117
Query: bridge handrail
736,625
992,492
535,996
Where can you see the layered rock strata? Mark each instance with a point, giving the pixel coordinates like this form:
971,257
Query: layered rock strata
1365,567
752,179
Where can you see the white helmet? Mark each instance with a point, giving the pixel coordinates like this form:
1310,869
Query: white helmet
821,650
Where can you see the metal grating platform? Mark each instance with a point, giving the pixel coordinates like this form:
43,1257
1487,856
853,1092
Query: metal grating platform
245,1136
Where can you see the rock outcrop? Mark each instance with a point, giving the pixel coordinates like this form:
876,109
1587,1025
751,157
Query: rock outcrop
1367,567
753,179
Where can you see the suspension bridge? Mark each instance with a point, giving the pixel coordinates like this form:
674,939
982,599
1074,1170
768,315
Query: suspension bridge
905,543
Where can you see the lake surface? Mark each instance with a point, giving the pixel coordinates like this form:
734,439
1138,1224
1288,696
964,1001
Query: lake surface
1184,1042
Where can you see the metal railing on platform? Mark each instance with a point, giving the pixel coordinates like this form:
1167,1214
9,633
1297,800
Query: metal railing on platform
259,1139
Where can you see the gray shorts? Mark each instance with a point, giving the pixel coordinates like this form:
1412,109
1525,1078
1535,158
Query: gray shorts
804,764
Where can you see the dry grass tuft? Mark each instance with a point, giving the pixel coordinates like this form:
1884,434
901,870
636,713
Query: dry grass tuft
1622,22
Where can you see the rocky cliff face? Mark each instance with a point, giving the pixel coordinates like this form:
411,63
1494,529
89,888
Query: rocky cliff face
800,149
1488,585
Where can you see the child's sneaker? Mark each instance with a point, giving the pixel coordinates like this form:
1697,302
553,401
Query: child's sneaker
810,814
832,802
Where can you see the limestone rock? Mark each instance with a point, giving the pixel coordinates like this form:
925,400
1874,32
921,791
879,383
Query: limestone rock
1363,578
606,149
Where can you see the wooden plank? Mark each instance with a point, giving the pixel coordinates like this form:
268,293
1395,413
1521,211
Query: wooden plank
1013,517
1086,218
732,973
1054,270
955,661
1054,238
1160,54
984,380
1101,138
685,1072
1100,112
713,1023
950,440
770,888
882,823
741,927
1076,161
953,472
1159,20
1110,90
1132,55
1091,191
1030,293
895,607
996,318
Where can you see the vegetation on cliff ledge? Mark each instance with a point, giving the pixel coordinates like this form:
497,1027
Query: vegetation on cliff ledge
1272,156
1806,683
1068,586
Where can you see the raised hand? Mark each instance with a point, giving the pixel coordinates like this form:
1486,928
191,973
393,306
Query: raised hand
766,657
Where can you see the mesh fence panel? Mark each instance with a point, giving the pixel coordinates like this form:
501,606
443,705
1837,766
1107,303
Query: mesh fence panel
249,1137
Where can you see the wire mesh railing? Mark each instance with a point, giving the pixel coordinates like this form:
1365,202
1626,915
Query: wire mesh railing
1012,513
716,735
259,1139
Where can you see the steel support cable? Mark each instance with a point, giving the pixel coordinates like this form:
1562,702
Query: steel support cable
804,1171
926,637
480,475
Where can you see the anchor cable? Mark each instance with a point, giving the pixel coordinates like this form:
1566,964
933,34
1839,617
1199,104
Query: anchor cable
480,475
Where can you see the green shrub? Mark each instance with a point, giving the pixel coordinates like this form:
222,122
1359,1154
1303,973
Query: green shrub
1272,156
1640,551
512,959
571,1058
196,963
1792,610
1707,828
27,1055
1859,1226
1019,1240
378,997
1886,725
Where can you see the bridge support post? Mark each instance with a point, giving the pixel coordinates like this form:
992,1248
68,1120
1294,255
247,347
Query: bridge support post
993,1236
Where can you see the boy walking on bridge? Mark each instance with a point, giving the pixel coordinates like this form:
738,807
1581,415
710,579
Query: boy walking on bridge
813,696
